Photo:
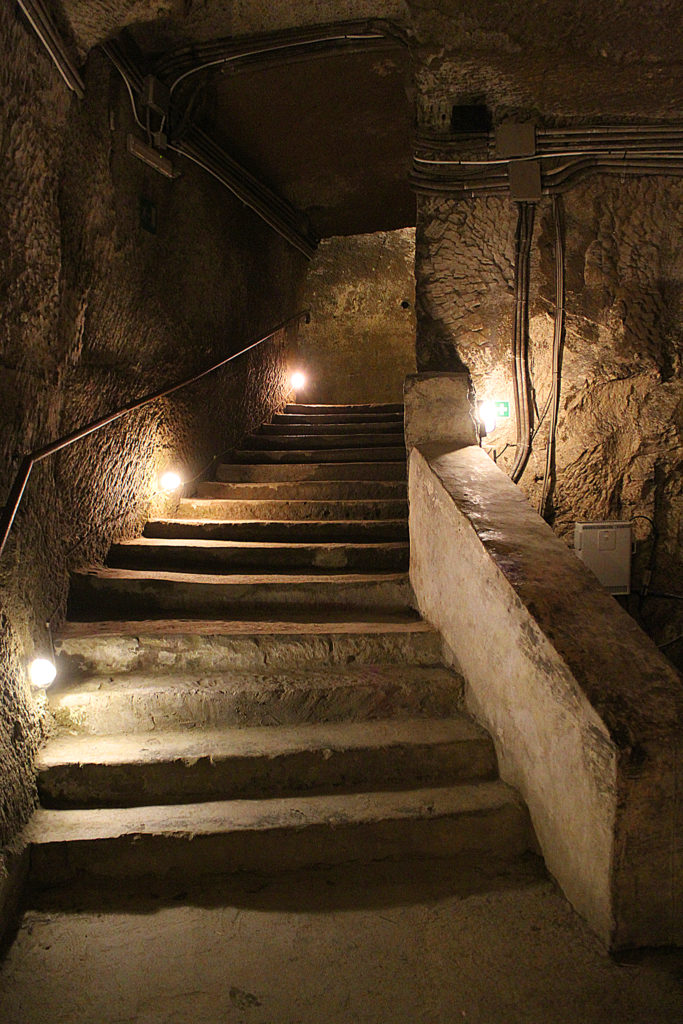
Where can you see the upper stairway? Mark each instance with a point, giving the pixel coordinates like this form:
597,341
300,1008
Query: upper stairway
251,675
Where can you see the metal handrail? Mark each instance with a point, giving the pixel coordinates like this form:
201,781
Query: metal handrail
21,480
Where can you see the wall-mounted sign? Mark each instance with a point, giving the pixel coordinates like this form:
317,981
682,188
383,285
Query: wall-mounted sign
502,410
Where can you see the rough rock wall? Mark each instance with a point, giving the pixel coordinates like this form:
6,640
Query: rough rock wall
618,450
96,311
176,21
361,341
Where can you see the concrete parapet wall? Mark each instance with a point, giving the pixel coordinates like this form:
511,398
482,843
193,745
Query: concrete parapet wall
585,712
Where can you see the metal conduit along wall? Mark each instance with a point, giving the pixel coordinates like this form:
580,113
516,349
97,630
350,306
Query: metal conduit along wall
468,164
520,341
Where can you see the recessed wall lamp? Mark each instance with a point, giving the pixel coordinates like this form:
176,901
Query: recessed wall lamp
170,481
297,381
486,414
42,671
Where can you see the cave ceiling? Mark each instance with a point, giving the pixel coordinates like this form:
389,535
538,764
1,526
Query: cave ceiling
332,133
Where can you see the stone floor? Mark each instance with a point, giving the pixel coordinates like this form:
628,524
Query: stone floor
389,945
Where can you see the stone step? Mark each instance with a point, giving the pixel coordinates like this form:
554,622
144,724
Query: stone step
296,442
339,417
300,531
306,682
191,766
230,556
321,442
350,430
264,473
373,408
390,453
134,594
300,509
299,490
484,820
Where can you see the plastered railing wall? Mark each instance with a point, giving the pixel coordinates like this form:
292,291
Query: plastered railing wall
585,712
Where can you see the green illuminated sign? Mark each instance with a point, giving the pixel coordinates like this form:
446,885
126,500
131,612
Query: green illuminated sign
502,410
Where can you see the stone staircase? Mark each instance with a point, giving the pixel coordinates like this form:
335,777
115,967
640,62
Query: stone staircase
246,687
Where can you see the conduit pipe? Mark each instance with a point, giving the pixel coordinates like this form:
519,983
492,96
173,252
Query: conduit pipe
189,59
553,181
198,147
46,30
612,149
558,339
272,209
520,341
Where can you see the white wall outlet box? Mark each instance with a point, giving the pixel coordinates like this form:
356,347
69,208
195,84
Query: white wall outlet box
605,547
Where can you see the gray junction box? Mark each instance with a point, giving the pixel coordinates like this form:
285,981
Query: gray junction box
605,547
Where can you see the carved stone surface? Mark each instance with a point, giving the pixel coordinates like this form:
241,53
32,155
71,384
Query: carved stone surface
96,311
438,408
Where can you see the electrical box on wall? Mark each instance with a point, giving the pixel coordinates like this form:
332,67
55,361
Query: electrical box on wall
605,547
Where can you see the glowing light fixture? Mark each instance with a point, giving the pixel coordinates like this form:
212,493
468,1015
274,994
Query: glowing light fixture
170,481
42,672
487,416
297,381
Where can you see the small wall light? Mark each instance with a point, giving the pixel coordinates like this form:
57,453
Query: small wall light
42,672
297,381
487,416
170,481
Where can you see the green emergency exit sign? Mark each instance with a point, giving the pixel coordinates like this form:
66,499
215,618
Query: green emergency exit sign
502,410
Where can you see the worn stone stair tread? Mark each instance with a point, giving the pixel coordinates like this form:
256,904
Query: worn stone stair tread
283,529
235,545
294,508
322,441
391,453
480,822
243,579
372,427
330,410
313,490
189,821
329,677
361,624
134,593
260,741
263,472
229,556
240,579
202,764
157,647
340,418
101,703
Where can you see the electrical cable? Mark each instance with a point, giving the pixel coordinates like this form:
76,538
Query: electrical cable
42,24
119,67
272,48
520,365
558,339
670,643
619,153
649,571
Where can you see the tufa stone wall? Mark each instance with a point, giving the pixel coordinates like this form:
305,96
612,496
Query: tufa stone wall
618,451
361,342
94,312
